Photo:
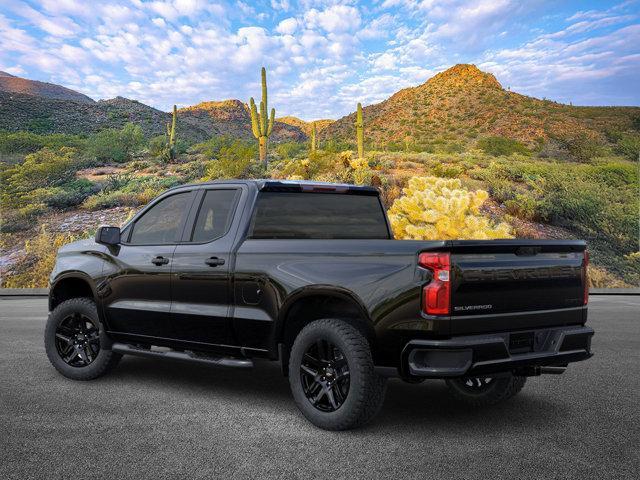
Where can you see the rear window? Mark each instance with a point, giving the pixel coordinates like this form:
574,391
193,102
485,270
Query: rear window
318,215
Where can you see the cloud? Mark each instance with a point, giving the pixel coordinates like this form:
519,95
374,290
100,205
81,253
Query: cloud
322,56
287,26
335,19
57,26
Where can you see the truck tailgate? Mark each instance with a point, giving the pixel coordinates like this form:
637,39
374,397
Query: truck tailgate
503,285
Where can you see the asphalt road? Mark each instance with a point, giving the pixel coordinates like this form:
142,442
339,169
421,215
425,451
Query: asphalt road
162,419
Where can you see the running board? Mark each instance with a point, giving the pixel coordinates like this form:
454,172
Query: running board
185,356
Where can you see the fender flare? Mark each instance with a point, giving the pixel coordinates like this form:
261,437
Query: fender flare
319,290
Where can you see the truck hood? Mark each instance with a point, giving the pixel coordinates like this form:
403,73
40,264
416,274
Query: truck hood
86,244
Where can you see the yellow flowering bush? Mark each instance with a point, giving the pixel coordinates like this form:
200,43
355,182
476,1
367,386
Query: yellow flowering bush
41,253
433,208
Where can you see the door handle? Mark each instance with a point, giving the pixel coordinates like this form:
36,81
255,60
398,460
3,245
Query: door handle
214,261
159,260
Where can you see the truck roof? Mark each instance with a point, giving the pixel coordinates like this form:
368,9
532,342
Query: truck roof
271,185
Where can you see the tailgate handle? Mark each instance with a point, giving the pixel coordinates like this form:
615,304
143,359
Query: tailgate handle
527,251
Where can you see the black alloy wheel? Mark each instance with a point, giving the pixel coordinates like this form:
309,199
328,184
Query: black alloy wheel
325,377
77,340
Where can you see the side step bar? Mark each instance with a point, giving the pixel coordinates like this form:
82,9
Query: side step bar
185,356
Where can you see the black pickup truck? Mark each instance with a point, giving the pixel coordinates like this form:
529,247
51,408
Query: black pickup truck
308,274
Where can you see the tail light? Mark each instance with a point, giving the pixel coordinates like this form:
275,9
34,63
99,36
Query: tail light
436,296
585,276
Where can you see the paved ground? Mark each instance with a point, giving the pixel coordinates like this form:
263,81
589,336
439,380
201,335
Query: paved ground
170,420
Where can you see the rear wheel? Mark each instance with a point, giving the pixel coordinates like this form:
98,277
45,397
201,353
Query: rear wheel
74,341
332,377
484,391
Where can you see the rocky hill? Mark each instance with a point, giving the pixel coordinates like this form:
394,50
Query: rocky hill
305,126
16,85
20,111
464,103
232,118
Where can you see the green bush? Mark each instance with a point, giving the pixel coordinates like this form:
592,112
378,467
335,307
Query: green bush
289,150
447,171
629,146
116,145
68,195
28,142
43,169
157,145
211,148
498,146
232,161
523,206
582,146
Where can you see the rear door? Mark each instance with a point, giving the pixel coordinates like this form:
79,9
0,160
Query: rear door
514,284
201,290
137,291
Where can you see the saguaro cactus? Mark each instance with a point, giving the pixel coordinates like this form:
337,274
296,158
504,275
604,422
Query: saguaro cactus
314,137
260,124
171,136
360,132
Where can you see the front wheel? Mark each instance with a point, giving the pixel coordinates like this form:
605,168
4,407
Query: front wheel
73,341
332,376
484,391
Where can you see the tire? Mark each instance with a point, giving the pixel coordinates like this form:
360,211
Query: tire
76,351
349,360
477,392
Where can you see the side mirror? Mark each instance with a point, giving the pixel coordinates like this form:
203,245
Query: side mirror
108,235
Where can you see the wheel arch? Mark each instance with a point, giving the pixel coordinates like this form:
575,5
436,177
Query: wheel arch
314,303
71,285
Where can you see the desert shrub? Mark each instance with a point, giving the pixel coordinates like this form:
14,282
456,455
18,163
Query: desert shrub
447,170
40,258
523,206
498,146
581,146
191,171
157,145
600,278
629,146
28,142
336,146
289,150
40,125
119,199
319,163
212,147
23,218
232,161
434,208
43,169
116,145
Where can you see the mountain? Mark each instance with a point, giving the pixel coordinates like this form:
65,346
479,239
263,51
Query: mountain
48,108
16,85
463,103
305,126
232,118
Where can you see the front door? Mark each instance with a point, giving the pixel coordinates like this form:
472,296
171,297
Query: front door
137,290
201,265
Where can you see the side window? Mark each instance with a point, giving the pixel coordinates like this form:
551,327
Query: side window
160,224
215,215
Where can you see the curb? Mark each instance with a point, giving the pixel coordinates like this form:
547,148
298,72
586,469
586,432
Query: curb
44,292
24,292
614,291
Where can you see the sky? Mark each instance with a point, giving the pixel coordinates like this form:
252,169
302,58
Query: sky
322,57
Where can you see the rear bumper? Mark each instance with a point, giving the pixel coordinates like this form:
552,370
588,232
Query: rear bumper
499,352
